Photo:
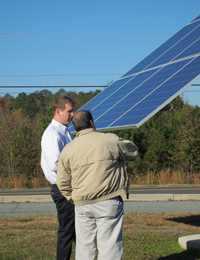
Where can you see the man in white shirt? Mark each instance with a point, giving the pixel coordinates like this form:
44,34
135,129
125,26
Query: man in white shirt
54,138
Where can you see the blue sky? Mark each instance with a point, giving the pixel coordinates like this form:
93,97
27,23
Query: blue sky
84,43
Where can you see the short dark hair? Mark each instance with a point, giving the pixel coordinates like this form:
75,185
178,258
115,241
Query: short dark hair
82,120
60,102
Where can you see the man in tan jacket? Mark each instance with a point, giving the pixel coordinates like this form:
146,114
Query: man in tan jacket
91,175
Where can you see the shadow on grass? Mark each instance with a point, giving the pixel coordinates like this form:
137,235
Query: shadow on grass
192,254
193,220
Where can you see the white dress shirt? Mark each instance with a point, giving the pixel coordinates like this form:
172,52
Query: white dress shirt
54,138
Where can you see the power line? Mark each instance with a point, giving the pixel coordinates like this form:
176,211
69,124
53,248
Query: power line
68,55
61,75
72,87
47,87
92,86
87,39
17,93
192,91
53,86
84,32
14,37
6,36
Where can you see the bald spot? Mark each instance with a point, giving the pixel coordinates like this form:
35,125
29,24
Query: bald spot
78,115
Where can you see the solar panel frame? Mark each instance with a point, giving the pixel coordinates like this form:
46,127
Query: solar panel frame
195,19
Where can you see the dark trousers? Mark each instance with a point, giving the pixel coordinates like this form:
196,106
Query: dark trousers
66,219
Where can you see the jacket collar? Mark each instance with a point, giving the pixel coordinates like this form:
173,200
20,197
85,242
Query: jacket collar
85,131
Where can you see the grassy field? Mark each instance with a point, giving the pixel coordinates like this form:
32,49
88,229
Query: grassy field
165,177
146,236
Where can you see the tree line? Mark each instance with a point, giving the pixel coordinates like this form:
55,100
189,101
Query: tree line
168,141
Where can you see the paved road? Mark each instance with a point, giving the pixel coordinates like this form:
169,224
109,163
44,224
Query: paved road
154,193
31,209
132,190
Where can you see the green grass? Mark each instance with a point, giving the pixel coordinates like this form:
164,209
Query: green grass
146,236
23,219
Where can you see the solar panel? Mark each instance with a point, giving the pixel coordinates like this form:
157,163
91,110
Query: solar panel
151,84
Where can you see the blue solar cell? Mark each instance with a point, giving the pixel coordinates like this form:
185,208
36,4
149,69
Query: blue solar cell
165,47
191,50
178,48
151,84
164,93
111,94
138,94
105,94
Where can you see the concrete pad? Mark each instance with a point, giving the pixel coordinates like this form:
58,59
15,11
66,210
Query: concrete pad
148,197
189,242
29,198
132,197
186,196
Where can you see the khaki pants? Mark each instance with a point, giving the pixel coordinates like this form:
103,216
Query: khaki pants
99,225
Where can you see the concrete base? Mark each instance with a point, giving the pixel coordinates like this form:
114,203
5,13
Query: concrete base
132,197
29,198
189,242
161,197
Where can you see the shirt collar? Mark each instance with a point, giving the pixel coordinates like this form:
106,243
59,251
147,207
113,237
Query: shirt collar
59,126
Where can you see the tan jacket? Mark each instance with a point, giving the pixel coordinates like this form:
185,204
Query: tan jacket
91,168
